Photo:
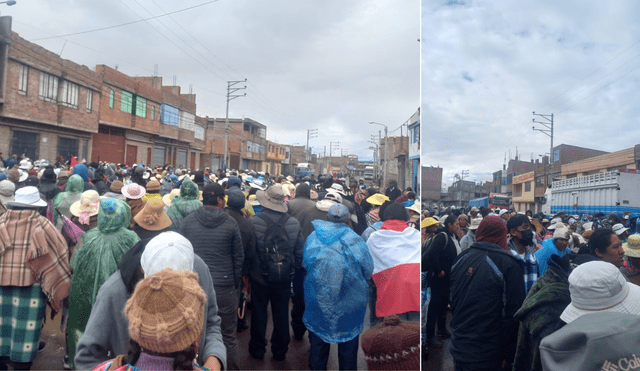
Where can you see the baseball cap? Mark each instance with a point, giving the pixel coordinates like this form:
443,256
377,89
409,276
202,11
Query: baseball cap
167,250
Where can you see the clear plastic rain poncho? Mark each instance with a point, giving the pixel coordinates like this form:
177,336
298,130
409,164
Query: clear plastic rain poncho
185,204
336,291
95,261
63,200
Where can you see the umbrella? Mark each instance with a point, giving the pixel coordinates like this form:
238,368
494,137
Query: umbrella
73,231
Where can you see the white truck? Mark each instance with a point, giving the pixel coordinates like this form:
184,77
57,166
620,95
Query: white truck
605,192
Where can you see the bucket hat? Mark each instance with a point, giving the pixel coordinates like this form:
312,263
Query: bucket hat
632,246
29,197
272,198
152,217
7,190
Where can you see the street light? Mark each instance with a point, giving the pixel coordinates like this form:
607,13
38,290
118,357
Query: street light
386,152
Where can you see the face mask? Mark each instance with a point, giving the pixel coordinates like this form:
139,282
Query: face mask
527,237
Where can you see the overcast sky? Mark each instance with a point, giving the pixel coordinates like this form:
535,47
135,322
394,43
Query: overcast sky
327,65
487,65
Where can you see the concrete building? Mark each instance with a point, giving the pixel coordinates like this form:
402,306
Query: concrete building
431,184
397,160
566,154
276,154
523,195
49,106
626,159
246,144
414,151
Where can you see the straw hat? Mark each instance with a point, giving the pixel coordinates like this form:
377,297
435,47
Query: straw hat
152,217
377,199
632,246
427,222
169,197
87,206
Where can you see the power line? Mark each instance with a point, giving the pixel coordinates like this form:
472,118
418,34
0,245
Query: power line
126,23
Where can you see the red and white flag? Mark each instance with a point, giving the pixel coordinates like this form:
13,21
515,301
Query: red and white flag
396,270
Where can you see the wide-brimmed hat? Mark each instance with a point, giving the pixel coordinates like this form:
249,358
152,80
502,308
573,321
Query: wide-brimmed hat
475,223
377,199
336,187
619,228
561,231
27,197
153,185
599,286
272,198
415,207
23,175
152,217
133,191
632,246
553,223
87,206
169,197
7,190
428,222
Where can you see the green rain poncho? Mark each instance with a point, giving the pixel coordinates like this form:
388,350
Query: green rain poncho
185,204
63,200
102,249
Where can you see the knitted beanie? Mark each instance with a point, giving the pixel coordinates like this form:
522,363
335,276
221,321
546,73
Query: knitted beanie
166,311
153,185
392,345
493,229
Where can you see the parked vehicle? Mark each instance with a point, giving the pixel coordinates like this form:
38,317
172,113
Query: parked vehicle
494,200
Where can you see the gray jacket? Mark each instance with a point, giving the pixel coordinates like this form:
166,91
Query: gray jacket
108,328
292,226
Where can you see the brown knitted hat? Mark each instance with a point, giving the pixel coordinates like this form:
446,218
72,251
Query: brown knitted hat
166,311
116,186
153,185
392,345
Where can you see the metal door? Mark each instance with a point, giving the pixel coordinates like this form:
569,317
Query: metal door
25,143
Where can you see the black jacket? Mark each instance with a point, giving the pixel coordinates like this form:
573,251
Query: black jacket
292,226
216,239
248,235
487,289
441,255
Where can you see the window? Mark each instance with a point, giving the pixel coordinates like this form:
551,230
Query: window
153,113
69,95
141,107
24,77
89,99
48,87
527,187
68,147
25,143
112,97
126,102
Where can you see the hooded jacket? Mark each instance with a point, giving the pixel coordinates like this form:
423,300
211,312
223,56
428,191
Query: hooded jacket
215,237
338,266
540,313
185,204
108,327
63,200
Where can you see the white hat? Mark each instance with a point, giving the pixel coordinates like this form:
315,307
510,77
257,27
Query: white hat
474,209
587,226
619,228
337,188
475,223
332,194
167,250
26,165
23,175
553,222
7,189
561,231
599,286
502,212
28,196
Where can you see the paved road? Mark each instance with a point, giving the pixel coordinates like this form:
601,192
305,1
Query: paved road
297,356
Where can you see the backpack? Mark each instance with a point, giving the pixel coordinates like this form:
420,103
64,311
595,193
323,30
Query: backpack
275,256
426,246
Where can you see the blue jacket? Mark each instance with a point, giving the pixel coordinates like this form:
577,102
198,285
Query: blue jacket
548,248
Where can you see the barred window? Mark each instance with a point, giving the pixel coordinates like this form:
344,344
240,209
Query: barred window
126,102
48,87
69,94
141,107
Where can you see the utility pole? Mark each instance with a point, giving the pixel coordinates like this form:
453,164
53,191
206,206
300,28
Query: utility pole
548,124
231,90
311,133
333,146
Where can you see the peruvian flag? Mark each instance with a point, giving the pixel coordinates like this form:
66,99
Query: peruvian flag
396,270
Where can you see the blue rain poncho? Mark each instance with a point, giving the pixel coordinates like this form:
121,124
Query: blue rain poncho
336,291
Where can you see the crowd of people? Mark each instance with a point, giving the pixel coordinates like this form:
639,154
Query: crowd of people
531,291
149,267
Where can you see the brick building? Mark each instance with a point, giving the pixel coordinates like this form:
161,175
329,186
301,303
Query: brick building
246,144
276,154
431,184
48,105
624,159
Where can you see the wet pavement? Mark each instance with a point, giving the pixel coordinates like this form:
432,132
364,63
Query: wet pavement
440,358
297,356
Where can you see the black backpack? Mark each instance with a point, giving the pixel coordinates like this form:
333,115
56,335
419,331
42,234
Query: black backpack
275,256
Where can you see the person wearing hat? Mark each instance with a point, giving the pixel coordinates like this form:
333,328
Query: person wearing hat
392,344
106,332
266,288
7,191
428,228
133,193
463,226
621,231
35,271
185,204
215,237
83,172
152,220
487,289
470,238
47,185
165,316
442,252
605,245
152,190
335,308
93,263
521,245
392,191
115,191
631,267
557,246
98,180
376,200
62,201
394,248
